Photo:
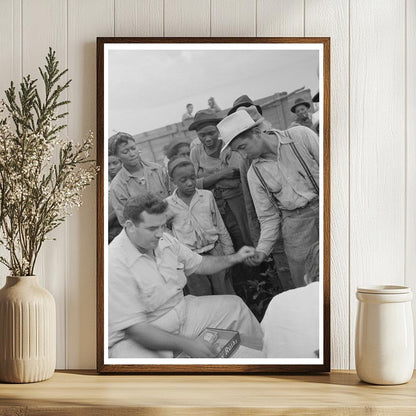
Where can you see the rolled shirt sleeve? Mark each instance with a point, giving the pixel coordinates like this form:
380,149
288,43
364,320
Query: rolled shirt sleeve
268,215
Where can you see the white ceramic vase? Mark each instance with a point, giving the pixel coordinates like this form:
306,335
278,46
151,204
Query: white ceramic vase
27,331
384,337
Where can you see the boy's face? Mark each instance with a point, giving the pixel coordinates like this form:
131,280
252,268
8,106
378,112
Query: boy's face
114,165
184,178
184,151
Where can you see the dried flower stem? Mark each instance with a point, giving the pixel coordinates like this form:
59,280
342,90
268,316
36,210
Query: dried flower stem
37,194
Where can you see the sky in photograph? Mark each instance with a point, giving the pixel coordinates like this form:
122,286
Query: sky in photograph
149,89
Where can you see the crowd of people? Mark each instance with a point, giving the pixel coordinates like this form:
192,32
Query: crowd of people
242,192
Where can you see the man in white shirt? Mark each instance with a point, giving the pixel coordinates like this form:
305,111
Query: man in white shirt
291,321
148,314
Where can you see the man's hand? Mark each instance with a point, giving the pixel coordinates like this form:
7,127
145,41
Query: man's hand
255,259
230,173
197,348
244,253
214,264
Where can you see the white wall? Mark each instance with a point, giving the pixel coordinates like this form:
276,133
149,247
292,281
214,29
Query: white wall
373,128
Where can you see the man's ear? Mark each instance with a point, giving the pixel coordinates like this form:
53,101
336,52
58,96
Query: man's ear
256,130
128,225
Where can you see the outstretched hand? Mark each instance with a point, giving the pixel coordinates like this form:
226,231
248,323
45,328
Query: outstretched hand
230,173
256,259
244,253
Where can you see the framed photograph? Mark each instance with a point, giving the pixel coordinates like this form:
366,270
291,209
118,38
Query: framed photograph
213,241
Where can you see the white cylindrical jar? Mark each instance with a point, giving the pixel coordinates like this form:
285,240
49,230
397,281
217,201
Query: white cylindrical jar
384,337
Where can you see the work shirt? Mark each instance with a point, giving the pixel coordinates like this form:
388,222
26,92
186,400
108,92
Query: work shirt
142,288
206,165
153,178
199,225
286,180
302,122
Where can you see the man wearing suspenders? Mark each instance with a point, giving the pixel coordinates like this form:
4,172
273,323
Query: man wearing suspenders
284,184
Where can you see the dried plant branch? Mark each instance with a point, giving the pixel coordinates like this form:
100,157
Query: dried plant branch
41,176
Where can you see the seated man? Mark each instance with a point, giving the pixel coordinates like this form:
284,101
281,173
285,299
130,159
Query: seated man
148,314
291,321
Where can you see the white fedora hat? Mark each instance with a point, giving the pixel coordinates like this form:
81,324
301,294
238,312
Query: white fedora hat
234,124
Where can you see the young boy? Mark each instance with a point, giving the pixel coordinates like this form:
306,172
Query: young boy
197,224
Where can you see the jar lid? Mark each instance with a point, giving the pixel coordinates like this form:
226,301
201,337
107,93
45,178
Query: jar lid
384,289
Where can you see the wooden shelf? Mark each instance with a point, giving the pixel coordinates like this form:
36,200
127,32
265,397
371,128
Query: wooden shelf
86,393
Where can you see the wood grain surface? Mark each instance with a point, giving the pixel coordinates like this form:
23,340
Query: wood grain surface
339,393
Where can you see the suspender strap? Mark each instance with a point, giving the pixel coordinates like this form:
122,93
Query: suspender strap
266,188
304,165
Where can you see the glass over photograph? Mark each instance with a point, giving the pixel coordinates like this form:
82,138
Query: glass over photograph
213,220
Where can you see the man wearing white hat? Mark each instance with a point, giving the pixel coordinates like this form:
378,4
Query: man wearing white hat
279,255
286,193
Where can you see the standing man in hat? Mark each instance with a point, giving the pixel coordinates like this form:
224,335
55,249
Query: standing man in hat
303,118
284,184
278,253
220,173
245,101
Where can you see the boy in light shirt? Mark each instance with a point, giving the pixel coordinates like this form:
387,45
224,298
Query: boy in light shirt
197,223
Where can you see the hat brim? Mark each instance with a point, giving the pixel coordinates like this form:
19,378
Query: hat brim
305,103
202,123
259,121
236,107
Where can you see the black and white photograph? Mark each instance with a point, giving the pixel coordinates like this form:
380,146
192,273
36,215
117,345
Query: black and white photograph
214,205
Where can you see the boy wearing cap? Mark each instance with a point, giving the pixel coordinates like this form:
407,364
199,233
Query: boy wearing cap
284,183
197,223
